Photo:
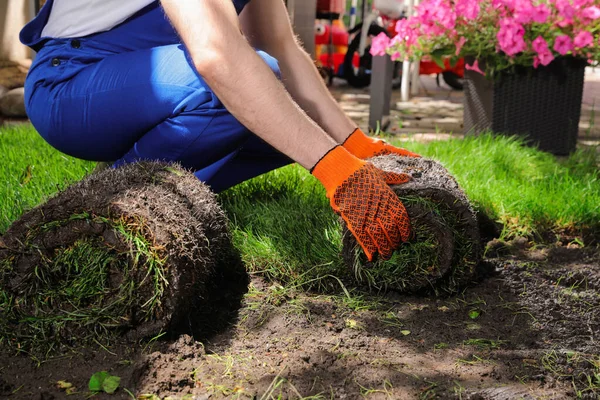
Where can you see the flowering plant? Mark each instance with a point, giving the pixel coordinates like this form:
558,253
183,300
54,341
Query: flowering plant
502,33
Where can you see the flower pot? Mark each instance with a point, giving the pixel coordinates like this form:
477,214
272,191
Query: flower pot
542,105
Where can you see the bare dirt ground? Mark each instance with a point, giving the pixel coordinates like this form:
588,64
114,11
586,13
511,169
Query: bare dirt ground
529,328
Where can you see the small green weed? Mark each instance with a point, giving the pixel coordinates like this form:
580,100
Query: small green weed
386,390
104,382
440,346
491,344
582,370
474,359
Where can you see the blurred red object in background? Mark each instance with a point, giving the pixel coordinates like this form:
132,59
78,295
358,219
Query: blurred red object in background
323,32
331,6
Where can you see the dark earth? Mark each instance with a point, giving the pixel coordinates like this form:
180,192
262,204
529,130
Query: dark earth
528,329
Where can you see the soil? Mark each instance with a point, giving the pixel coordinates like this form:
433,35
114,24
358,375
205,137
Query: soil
527,329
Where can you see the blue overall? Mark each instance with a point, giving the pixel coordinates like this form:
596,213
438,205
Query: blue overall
131,94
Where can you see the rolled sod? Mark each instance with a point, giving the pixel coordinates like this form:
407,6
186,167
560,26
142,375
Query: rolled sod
125,251
445,245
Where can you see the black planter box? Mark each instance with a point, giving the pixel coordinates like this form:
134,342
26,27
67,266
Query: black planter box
543,105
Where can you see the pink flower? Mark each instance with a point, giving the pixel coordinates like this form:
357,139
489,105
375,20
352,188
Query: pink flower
582,3
401,25
592,12
540,13
583,39
474,67
564,23
445,16
565,9
405,33
519,30
563,44
510,4
544,55
511,37
395,55
459,45
544,58
379,44
469,9
539,45
524,12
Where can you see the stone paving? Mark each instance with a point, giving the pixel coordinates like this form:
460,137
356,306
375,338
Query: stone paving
437,111
12,79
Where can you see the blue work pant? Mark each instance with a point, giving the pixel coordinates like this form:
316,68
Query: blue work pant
133,94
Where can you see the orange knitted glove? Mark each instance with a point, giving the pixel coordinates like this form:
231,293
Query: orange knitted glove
360,194
363,146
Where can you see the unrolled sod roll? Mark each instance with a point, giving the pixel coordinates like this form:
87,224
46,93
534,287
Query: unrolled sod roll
126,250
445,245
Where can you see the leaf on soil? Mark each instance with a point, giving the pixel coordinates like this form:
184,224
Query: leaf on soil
67,387
111,384
405,332
95,384
104,382
353,324
473,327
148,397
64,385
474,314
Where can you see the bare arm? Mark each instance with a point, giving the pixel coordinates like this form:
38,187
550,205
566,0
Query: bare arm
243,82
267,26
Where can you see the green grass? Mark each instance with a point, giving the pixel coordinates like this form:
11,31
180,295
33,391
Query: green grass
282,222
283,225
529,191
286,231
77,277
85,291
284,228
31,171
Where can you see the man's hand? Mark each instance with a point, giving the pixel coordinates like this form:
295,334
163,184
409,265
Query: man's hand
360,194
363,146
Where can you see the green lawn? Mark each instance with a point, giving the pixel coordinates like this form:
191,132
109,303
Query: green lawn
527,190
31,171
